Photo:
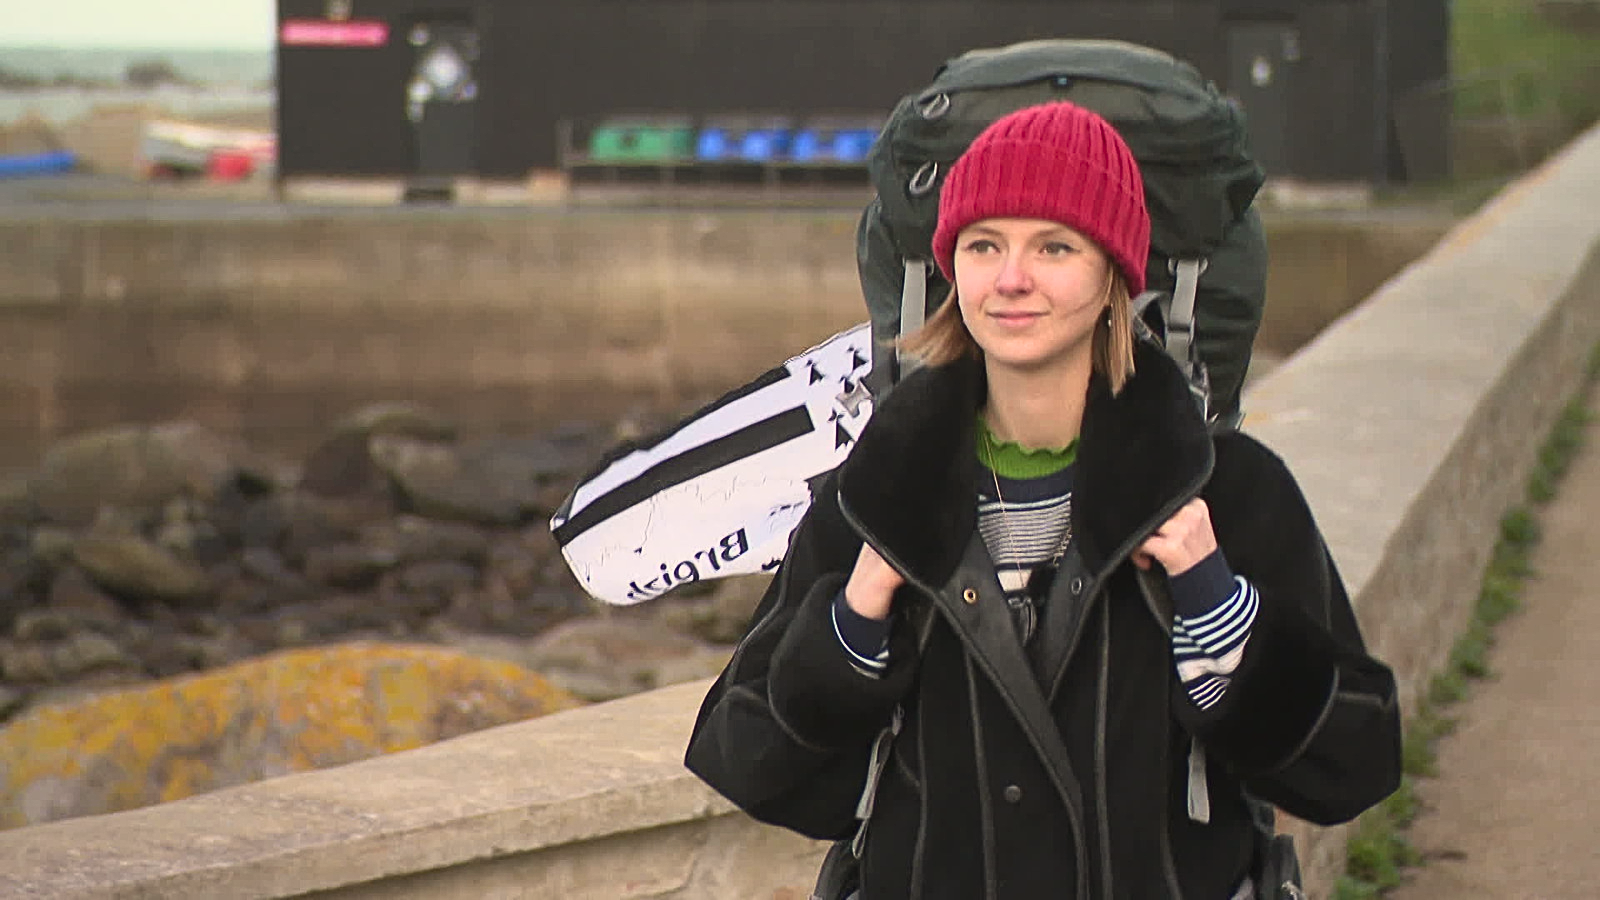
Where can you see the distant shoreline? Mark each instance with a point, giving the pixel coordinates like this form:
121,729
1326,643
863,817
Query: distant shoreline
58,106
132,48
208,66
76,81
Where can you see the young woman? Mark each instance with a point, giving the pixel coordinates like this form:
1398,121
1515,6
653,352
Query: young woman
1100,630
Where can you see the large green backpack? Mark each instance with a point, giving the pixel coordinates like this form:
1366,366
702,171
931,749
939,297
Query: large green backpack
1208,258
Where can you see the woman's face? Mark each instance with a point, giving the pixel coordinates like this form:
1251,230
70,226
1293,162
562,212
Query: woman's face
1030,291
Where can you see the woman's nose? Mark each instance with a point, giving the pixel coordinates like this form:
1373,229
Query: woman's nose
1013,277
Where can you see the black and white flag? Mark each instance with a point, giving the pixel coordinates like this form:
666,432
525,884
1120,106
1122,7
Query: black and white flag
719,493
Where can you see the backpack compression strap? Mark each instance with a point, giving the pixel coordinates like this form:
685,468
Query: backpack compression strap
1177,312
878,762
1180,330
913,306
1180,318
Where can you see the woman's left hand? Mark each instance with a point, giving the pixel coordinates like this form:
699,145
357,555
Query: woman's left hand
1184,540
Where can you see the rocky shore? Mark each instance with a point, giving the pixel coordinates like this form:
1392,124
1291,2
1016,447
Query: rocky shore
141,553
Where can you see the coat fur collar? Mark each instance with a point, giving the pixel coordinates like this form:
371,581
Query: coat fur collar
910,483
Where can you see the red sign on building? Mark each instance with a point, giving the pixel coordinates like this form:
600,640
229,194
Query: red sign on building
326,33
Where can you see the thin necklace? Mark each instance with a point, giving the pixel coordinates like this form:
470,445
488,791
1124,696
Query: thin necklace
1040,577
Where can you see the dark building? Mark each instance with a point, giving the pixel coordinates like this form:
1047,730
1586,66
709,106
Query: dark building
1334,89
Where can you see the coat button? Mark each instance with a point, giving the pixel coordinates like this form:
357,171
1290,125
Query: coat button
969,595
1013,794
1077,585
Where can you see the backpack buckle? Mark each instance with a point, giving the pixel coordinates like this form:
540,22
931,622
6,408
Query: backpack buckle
923,180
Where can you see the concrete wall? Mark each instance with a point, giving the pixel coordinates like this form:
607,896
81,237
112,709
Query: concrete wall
260,327
270,325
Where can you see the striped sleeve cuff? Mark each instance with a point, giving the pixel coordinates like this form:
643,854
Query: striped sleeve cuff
1209,647
865,640
1205,586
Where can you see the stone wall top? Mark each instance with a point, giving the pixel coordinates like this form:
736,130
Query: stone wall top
591,772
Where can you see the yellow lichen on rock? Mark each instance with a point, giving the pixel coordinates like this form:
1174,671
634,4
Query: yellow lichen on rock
287,712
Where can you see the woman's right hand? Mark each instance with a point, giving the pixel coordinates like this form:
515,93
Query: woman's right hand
872,584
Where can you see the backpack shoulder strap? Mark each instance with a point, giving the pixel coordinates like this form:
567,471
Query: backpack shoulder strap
875,768
913,305
1180,319
921,618
1179,334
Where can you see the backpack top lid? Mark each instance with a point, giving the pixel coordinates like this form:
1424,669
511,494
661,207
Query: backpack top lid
1189,139
1127,63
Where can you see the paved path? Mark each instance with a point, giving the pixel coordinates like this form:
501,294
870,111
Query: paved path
1515,812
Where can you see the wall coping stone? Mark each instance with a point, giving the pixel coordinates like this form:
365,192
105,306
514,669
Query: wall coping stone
561,779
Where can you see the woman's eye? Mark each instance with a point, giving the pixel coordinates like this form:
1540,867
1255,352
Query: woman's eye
1057,248
981,245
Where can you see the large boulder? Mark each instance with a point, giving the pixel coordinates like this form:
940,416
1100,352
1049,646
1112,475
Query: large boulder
269,716
129,467
341,473
342,465
137,569
494,481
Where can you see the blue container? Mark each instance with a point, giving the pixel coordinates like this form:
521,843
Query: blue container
22,166
853,145
711,145
763,144
807,146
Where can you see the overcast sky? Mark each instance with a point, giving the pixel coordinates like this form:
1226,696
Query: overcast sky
227,24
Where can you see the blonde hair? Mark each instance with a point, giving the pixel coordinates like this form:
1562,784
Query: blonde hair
944,338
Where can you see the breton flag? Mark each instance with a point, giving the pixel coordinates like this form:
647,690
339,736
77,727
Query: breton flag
719,493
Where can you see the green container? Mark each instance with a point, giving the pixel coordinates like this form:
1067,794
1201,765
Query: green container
610,143
640,143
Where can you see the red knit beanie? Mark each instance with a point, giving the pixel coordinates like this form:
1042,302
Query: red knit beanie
1058,162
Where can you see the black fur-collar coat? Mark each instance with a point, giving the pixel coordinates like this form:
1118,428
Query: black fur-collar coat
1084,772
